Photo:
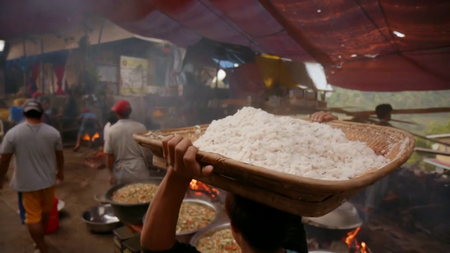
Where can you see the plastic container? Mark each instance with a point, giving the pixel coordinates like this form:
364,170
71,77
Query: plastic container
53,221
16,114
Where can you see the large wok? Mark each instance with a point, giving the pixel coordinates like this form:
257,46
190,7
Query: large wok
335,224
187,235
129,213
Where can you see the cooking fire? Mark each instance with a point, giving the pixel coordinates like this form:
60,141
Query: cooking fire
86,137
353,243
199,189
348,244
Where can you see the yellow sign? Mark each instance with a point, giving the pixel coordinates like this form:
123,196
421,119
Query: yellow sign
133,76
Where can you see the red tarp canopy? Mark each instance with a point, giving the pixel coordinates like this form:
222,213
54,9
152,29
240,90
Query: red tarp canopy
355,40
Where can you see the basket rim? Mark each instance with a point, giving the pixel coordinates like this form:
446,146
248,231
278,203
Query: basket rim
320,184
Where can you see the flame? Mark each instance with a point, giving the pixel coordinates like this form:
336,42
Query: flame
201,187
351,236
363,247
86,137
350,240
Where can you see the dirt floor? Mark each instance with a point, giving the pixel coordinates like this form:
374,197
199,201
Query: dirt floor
77,191
82,182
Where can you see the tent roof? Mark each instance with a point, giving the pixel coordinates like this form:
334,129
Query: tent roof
370,45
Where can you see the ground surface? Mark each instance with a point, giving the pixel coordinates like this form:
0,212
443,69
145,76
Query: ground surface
382,232
77,191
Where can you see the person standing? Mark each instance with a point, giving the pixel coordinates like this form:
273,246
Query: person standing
112,119
46,106
126,159
39,162
383,112
88,126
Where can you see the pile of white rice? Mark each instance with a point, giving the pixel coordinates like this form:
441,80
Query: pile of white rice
289,145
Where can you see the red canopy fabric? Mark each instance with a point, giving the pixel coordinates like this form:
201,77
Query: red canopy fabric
370,45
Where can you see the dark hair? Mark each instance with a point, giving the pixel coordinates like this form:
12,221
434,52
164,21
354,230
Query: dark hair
264,228
112,117
383,110
44,99
33,114
125,115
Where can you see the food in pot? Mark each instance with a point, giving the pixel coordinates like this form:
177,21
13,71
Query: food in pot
135,193
221,241
194,216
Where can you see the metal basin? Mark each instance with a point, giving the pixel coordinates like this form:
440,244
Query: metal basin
208,231
335,224
186,236
101,219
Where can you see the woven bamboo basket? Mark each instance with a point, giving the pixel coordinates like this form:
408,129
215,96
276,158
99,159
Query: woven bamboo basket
293,194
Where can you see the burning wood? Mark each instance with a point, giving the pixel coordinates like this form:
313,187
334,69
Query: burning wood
200,189
354,244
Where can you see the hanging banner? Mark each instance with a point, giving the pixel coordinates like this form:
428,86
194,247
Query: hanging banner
134,76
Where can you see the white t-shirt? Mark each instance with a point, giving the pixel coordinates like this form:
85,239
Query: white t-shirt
34,149
106,131
130,158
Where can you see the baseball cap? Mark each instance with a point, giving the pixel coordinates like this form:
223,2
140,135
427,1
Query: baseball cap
31,104
121,107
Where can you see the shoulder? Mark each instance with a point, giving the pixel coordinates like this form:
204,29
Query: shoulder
139,126
16,128
51,130
12,132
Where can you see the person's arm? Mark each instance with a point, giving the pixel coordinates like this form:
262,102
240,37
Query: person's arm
110,166
59,159
60,165
7,150
159,230
4,165
323,117
110,159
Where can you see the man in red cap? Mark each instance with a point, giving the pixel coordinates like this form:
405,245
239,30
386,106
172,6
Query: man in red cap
126,159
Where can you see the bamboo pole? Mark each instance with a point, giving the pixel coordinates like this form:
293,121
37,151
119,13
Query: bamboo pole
399,111
430,151
428,139
24,72
42,67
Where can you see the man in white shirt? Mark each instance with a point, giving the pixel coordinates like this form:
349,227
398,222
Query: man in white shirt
126,159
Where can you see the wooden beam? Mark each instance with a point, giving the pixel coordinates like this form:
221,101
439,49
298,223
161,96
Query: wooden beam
298,35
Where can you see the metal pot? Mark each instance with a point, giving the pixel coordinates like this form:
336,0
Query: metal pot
129,213
208,231
101,219
335,224
186,236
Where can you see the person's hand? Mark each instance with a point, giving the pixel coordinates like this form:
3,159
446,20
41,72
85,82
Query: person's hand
323,117
60,176
180,155
112,179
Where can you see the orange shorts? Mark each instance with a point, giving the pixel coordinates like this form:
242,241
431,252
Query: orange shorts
33,204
